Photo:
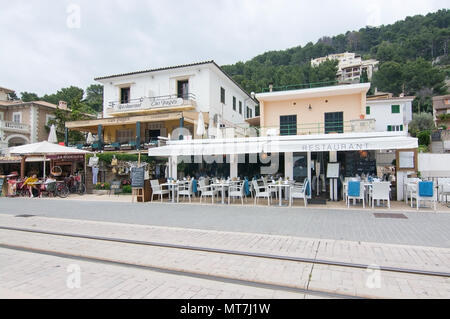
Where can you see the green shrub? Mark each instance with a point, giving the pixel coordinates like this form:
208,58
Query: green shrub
424,137
102,186
421,122
127,189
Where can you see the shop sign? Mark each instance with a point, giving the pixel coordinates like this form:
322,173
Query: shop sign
66,157
167,102
335,147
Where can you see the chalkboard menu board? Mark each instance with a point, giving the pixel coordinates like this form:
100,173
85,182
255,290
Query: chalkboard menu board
137,177
2,180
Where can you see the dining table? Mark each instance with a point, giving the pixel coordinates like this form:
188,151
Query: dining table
223,185
280,186
172,186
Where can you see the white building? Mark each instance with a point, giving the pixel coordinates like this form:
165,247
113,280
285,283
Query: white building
390,113
205,84
350,67
141,106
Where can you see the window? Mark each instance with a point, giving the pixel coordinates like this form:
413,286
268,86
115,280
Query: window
234,103
125,95
447,102
368,110
124,136
183,89
395,109
240,107
17,117
2,116
222,95
49,118
395,128
334,122
288,125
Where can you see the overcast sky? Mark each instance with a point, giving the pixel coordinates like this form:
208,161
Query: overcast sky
50,44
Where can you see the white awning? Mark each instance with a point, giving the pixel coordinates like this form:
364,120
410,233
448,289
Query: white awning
434,165
283,144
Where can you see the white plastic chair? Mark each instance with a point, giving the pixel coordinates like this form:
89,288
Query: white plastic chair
381,191
206,190
236,190
418,198
157,189
299,192
444,189
271,190
259,194
185,190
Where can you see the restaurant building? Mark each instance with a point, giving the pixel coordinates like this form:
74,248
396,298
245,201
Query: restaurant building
299,132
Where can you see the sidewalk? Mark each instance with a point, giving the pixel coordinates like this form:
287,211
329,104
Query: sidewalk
399,206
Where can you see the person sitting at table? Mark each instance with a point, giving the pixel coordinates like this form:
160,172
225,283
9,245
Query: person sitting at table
50,184
30,184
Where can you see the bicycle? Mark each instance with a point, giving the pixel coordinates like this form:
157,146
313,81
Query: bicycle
59,189
75,185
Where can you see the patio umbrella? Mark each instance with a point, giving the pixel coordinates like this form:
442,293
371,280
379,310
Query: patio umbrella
44,149
52,138
90,139
211,129
201,125
219,130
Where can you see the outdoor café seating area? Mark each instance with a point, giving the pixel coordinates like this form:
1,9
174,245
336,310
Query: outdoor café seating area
355,192
211,190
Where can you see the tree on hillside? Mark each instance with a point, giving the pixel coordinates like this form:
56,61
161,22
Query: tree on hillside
29,97
76,113
94,97
421,122
68,95
389,78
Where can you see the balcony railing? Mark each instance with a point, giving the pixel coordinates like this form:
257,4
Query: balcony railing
14,127
353,126
299,86
151,103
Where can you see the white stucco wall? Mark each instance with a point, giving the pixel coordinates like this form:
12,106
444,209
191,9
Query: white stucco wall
204,82
381,111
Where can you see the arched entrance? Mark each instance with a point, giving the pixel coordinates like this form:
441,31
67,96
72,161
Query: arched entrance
17,140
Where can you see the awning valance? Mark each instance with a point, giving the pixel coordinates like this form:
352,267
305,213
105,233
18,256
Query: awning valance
283,144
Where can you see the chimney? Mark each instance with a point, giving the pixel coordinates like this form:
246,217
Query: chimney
270,87
62,104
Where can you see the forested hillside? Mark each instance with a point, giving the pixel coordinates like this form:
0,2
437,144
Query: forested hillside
413,55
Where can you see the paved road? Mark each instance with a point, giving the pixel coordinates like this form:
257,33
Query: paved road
423,229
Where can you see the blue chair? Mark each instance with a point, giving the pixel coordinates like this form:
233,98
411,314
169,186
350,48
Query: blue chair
425,192
355,190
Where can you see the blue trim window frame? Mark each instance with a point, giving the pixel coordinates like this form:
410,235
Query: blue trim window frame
288,125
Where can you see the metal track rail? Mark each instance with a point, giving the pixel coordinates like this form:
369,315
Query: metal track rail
182,273
234,252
